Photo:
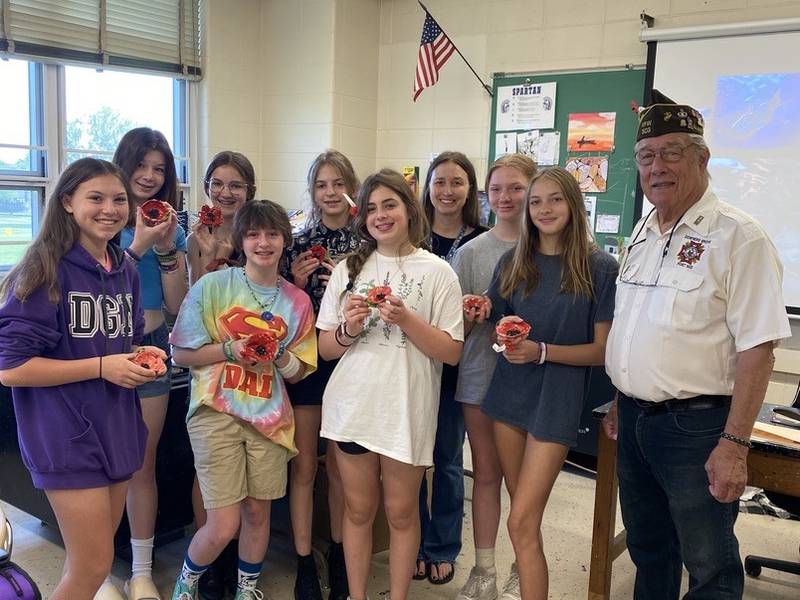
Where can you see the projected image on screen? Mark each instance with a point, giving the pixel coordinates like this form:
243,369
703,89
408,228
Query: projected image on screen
753,130
757,111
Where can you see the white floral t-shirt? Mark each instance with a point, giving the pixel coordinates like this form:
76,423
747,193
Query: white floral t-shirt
384,392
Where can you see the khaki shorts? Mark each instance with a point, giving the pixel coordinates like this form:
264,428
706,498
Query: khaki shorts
234,461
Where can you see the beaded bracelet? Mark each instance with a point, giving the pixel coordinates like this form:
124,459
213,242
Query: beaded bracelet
736,439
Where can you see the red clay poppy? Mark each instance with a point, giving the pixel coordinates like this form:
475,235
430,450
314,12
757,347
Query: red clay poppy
210,216
378,294
155,212
218,262
319,252
261,347
474,302
513,332
150,360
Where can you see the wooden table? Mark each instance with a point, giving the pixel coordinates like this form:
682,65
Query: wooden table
770,466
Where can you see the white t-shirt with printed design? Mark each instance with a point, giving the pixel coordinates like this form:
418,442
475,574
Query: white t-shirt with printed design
384,392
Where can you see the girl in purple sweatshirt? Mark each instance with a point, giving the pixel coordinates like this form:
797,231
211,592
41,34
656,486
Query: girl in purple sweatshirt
69,324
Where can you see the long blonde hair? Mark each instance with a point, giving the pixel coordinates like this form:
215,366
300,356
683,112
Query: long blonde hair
577,244
418,228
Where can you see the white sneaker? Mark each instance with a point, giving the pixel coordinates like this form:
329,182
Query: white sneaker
480,586
511,588
108,591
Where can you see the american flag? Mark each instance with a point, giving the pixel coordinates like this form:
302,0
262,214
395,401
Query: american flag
434,50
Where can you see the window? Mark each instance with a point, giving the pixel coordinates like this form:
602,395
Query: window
37,140
21,151
19,222
102,106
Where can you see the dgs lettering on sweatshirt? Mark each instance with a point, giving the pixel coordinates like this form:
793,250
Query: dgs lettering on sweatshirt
87,311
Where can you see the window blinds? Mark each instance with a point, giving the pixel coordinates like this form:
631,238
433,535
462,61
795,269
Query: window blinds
151,35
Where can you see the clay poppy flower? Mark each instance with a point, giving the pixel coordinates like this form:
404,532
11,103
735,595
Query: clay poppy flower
210,216
513,331
378,294
150,360
261,347
474,303
155,212
218,262
319,252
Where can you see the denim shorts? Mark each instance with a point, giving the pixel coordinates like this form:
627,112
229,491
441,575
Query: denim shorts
159,338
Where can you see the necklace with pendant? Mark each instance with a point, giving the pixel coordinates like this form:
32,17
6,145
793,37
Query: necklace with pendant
267,308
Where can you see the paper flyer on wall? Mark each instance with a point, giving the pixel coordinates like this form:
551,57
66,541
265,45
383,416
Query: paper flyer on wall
527,143
548,147
591,206
591,172
504,143
526,106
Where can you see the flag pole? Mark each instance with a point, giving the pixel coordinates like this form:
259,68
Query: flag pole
488,88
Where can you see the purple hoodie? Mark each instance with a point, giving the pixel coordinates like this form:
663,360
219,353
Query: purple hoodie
89,433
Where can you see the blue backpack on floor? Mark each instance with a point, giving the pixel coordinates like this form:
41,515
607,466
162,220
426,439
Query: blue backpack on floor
15,583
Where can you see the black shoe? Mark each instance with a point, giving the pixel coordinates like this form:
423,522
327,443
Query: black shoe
212,583
337,573
306,586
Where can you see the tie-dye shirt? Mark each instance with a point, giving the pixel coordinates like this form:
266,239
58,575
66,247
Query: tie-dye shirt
219,307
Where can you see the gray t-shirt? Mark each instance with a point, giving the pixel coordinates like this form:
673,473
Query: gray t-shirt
546,400
474,264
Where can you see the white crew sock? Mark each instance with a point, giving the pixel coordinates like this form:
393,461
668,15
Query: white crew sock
142,558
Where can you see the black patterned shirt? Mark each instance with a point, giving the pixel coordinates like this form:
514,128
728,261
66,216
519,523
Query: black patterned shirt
339,242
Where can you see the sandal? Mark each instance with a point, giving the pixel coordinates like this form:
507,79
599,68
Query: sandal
441,580
423,570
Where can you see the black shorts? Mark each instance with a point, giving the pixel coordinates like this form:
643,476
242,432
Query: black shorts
351,448
308,391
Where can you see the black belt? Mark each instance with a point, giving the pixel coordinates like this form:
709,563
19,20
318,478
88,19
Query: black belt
703,402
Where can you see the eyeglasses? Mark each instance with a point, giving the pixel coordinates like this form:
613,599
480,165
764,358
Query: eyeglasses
670,154
237,188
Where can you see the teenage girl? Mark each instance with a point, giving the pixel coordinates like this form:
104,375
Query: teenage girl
240,422
229,182
146,159
506,183
561,284
450,199
381,401
71,319
330,176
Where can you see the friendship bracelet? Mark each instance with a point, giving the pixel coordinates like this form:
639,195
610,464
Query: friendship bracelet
132,255
542,352
736,439
167,252
291,368
227,350
344,332
339,341
168,268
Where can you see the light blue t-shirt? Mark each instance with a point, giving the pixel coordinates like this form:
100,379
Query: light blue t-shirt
149,273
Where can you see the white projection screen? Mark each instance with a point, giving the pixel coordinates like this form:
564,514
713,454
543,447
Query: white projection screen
748,89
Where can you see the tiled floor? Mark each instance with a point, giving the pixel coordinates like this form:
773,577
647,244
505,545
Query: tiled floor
567,534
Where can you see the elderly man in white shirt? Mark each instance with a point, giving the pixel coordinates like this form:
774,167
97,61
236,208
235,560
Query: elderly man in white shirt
698,311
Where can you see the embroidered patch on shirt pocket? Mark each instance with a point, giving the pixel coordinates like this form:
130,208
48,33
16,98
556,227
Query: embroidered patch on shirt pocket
674,300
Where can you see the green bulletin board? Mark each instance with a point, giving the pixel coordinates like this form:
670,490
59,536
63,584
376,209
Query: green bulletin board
592,92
